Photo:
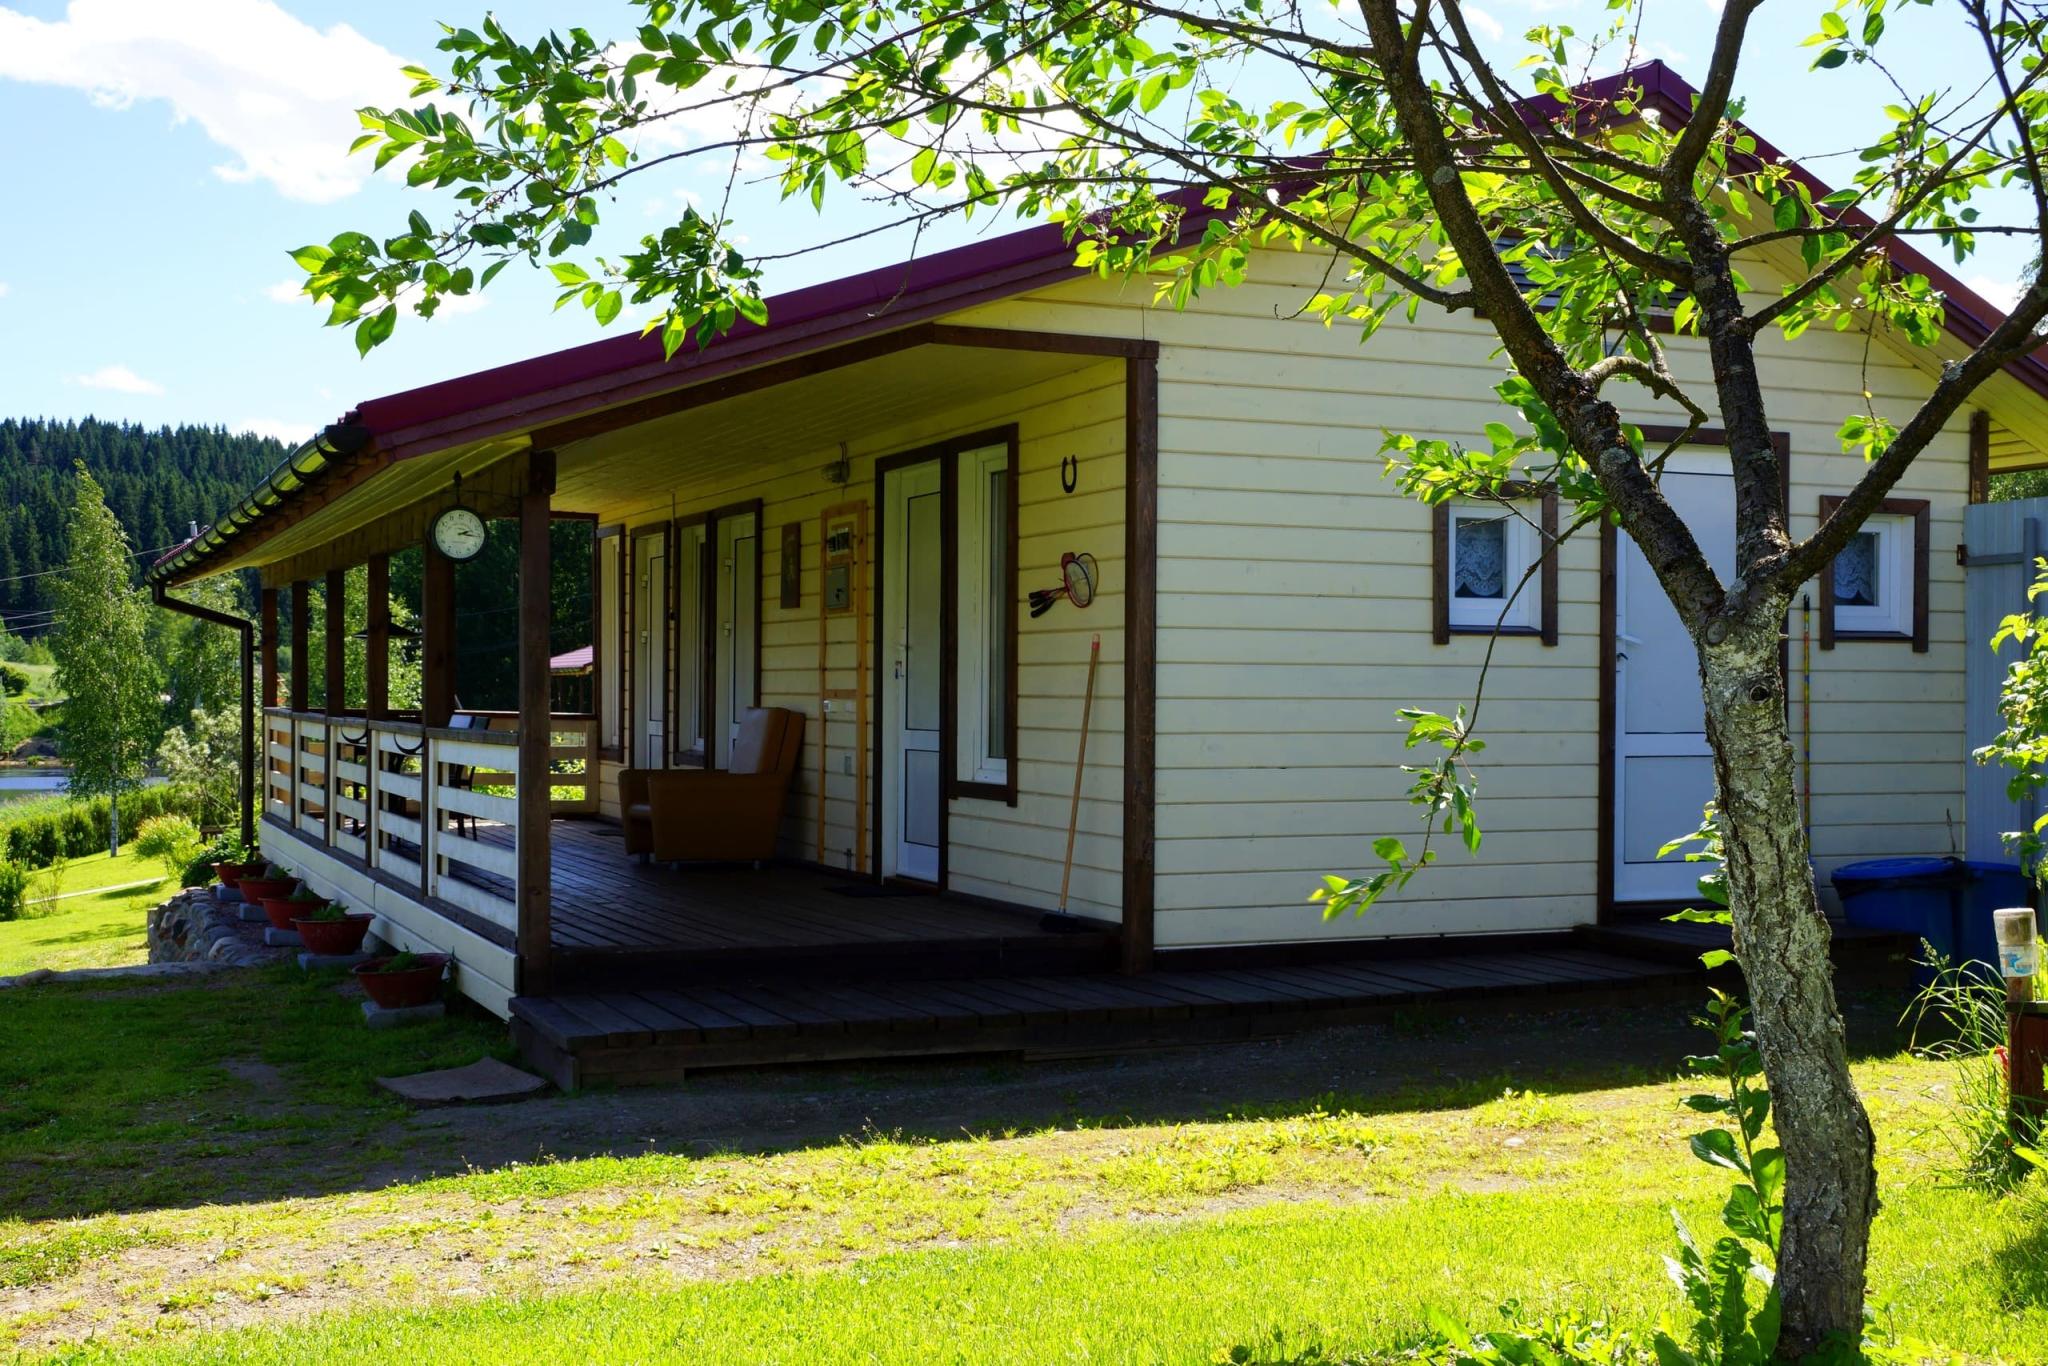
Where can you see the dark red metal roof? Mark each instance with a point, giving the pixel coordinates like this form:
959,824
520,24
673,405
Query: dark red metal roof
516,397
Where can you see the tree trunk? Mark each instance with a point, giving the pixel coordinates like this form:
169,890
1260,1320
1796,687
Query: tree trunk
113,825
1781,939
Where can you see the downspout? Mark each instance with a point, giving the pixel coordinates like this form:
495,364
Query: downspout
247,629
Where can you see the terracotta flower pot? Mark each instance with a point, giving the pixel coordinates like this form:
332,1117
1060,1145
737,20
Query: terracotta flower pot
341,936
256,889
232,874
283,912
402,990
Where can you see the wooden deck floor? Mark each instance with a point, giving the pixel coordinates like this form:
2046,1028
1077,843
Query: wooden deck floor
624,1036
618,922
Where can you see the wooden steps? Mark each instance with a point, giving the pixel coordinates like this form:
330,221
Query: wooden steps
1679,942
623,1036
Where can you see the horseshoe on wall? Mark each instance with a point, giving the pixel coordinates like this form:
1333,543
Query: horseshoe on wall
1070,472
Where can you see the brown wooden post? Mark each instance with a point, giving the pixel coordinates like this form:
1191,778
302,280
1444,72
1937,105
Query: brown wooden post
1141,619
266,610
437,638
535,726
301,693
377,640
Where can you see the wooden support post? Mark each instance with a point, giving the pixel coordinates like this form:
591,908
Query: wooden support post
377,640
301,608
535,738
266,610
1141,621
437,638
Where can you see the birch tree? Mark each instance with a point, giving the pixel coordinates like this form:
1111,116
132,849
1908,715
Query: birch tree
1170,138
112,712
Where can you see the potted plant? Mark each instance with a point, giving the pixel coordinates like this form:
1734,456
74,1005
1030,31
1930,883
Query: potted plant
231,862
402,980
268,881
333,930
284,910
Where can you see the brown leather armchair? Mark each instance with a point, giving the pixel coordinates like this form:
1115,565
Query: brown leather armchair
674,815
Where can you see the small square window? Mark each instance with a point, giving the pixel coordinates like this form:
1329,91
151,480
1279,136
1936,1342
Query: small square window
1488,583
1873,579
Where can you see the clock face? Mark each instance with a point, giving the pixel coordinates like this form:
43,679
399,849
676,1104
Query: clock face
458,533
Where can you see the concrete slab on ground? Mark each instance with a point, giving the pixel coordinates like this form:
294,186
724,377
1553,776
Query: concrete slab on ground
282,939
252,915
487,1082
377,1017
316,962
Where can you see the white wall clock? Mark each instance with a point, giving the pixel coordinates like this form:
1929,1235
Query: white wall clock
459,533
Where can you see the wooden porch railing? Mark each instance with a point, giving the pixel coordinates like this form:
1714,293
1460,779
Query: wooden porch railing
431,806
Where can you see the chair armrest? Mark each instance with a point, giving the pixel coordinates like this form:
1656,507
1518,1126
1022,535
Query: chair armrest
633,786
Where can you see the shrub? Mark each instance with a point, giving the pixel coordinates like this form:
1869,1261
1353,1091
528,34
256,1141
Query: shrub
38,833
171,839
13,681
13,890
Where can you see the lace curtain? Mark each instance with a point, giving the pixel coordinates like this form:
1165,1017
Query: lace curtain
1480,560
1856,582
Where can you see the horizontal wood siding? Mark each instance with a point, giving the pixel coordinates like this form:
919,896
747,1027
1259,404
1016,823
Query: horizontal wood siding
1009,854
1294,618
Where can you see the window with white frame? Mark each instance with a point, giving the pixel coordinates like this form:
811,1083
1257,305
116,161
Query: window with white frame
610,653
1489,549
1873,578
986,618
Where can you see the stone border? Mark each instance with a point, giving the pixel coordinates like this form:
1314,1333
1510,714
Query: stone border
196,927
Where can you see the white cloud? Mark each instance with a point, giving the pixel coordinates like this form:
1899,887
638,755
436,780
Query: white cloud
291,433
118,379
287,292
277,93
2004,293
3,289
1488,26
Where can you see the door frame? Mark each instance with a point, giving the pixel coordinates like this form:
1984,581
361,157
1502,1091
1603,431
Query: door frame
631,733
946,452
1606,908
708,613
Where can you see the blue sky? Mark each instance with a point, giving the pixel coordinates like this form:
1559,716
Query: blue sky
166,154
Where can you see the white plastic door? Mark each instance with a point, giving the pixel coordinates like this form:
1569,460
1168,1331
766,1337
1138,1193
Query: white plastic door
911,791
737,590
1663,770
650,648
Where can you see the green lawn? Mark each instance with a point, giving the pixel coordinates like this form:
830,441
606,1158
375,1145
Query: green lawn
94,930
206,1174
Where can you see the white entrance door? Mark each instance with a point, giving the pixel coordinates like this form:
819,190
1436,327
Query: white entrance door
736,593
650,649
911,666
1663,771
688,670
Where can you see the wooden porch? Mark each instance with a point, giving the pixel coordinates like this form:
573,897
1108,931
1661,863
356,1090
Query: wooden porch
620,1036
617,922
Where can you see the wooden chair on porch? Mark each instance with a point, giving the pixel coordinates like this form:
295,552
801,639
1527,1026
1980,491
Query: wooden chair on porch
731,814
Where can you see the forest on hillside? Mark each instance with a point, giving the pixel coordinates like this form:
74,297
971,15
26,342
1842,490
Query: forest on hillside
158,481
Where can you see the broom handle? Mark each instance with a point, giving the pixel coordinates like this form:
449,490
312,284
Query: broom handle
1080,762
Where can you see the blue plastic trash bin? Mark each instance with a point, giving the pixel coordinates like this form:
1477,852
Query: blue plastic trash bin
1987,887
1917,896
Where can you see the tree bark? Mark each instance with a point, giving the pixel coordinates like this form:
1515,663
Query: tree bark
1781,940
113,825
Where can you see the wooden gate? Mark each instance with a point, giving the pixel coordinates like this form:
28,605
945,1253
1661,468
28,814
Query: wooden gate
2002,542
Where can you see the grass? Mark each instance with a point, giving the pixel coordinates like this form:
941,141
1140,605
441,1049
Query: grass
85,931
209,1175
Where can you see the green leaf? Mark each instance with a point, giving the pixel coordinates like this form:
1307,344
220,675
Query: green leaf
1716,1147
607,306
1833,25
311,258
568,273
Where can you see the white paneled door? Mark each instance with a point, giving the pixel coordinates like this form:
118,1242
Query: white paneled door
912,667
735,595
1663,770
650,650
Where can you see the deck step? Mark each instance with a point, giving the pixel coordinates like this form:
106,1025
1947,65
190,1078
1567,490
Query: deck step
624,1035
1675,942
